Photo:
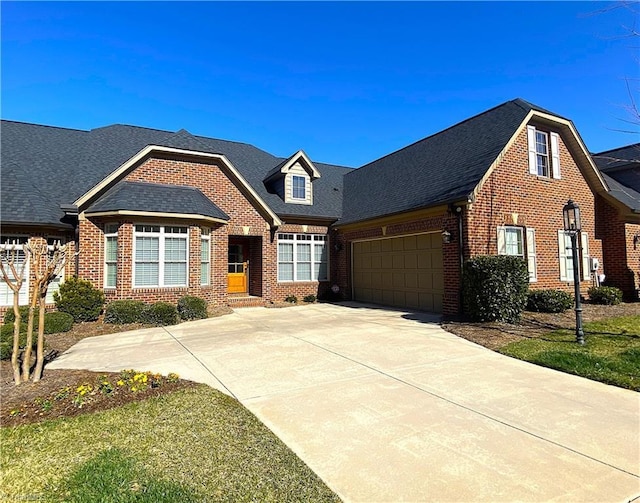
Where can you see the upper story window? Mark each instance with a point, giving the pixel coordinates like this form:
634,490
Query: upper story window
544,153
298,187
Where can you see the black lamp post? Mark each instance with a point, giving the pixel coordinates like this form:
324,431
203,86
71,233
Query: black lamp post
571,214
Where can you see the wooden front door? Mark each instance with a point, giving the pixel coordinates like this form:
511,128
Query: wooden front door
238,275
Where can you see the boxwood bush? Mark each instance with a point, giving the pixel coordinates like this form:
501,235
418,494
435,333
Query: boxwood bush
609,295
54,323
495,288
80,299
549,301
124,311
160,313
6,340
192,308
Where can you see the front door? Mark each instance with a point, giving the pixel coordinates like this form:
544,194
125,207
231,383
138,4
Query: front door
238,275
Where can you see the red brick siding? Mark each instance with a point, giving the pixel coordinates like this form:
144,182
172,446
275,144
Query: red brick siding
538,202
621,256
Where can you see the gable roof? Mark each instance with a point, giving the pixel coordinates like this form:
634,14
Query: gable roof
139,198
626,195
447,167
59,165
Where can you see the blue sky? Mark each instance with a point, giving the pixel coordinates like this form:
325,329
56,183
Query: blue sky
346,82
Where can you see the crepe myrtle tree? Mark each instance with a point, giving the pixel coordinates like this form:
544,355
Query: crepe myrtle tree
13,261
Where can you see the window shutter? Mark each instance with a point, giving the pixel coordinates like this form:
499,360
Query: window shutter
502,245
555,155
586,270
562,253
531,255
531,141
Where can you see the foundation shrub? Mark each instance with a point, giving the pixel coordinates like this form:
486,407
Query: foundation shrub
80,299
54,323
608,295
549,301
6,340
292,299
495,288
310,299
160,313
124,311
192,308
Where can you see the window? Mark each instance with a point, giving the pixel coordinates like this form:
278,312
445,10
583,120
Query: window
54,286
298,187
6,294
110,255
302,257
566,256
544,157
160,256
205,257
511,242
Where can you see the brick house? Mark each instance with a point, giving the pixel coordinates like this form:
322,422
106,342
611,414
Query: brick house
157,215
618,217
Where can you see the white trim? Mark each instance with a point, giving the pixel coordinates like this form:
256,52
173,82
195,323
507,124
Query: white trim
132,213
564,252
531,148
312,262
527,239
555,155
295,158
129,164
584,248
207,238
532,257
106,236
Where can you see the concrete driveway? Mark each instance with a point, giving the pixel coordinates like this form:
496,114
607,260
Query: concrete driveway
386,406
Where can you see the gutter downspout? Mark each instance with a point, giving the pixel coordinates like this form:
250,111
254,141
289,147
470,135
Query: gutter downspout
461,253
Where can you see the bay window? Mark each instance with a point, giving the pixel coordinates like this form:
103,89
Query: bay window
160,256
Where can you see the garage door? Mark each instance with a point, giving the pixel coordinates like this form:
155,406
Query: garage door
401,271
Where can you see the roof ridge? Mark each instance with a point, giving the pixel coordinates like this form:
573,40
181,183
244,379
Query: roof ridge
45,125
631,145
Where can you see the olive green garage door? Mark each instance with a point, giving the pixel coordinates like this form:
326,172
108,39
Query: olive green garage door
401,271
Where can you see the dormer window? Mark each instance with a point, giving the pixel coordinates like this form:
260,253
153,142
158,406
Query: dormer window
298,187
544,153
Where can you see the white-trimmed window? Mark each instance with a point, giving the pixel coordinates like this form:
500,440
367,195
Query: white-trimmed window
511,241
298,187
110,255
302,257
205,257
161,254
544,153
6,294
566,256
54,286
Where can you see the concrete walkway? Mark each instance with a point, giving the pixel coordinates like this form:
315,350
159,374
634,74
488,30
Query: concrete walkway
386,406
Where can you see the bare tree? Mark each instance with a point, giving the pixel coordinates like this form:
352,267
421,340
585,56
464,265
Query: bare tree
13,261
46,267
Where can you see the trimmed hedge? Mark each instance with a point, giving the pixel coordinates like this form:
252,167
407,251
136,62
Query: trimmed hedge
6,340
80,299
608,295
495,288
124,311
549,301
54,322
192,308
160,313
10,316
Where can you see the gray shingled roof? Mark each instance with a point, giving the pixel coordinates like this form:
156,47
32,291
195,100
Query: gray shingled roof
157,198
622,164
624,194
44,166
439,169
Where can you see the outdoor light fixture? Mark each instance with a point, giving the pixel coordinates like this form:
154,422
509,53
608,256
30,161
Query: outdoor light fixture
572,226
446,236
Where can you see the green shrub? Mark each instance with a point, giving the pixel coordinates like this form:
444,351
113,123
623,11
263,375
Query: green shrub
291,299
6,340
160,313
549,301
55,322
609,295
124,311
495,288
310,298
192,308
10,316
80,299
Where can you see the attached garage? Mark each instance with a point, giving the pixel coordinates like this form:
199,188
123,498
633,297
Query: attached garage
404,271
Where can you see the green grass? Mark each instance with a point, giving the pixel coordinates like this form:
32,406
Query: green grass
190,446
610,355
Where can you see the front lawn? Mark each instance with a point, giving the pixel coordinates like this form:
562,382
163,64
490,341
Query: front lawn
611,353
186,446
